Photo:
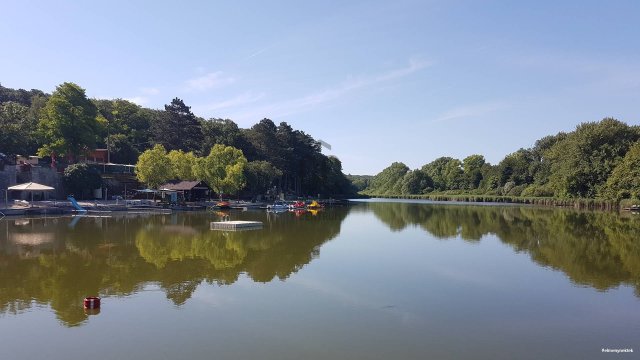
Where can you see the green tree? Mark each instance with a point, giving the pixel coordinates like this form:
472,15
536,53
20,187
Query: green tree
154,167
389,180
222,169
14,131
437,172
453,175
68,123
221,131
582,162
416,182
472,168
260,175
122,150
177,128
182,164
624,181
360,182
128,119
80,179
515,168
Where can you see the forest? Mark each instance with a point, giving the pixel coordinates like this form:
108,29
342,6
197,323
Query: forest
66,125
598,160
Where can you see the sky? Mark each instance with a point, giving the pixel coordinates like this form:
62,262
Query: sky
381,81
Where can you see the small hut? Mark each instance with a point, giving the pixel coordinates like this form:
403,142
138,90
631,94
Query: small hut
191,190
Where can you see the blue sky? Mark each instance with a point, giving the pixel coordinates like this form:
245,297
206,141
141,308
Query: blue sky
381,81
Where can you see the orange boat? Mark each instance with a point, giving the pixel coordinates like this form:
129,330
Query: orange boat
223,205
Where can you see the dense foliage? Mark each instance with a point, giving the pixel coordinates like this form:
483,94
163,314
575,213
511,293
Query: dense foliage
80,179
68,125
597,160
68,122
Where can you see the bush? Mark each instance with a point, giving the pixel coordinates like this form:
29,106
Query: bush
537,191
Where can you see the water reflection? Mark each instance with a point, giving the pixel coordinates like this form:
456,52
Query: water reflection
56,262
596,249
59,261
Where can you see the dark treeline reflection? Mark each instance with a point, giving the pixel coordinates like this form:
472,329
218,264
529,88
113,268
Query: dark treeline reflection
59,261
598,249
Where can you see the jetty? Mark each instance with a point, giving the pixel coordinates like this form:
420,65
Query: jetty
236,225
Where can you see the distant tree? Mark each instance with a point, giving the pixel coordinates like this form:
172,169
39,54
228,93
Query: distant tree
177,128
14,128
222,169
515,168
331,178
80,179
260,175
182,164
262,138
389,180
68,123
624,182
19,96
154,167
582,162
416,182
540,168
220,131
472,168
453,175
121,150
436,171
126,118
360,182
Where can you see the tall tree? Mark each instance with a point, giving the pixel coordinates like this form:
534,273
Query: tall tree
177,128
416,182
121,150
220,131
472,168
624,181
582,162
515,168
260,175
389,180
68,123
437,171
14,128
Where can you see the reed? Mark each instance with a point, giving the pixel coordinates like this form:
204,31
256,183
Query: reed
577,203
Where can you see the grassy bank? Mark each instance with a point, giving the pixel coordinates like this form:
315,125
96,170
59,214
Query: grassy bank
591,204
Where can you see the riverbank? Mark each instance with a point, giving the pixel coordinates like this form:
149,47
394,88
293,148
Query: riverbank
577,203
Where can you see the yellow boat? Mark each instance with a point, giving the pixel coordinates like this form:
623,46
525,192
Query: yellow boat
315,205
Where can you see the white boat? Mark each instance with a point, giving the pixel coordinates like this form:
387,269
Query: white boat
278,205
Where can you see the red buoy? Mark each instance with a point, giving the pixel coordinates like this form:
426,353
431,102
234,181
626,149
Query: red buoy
92,302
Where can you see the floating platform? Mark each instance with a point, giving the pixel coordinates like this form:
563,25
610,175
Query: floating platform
236,225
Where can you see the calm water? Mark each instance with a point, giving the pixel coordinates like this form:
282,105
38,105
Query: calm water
380,280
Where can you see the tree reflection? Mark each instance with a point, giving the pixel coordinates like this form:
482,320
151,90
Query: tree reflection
58,262
596,249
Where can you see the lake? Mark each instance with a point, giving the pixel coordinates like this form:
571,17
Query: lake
377,280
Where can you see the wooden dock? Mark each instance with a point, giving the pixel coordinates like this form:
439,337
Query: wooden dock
236,225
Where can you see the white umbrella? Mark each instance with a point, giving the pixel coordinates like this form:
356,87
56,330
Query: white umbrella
31,187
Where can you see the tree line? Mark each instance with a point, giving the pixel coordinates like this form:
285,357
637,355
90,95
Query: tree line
66,125
598,160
